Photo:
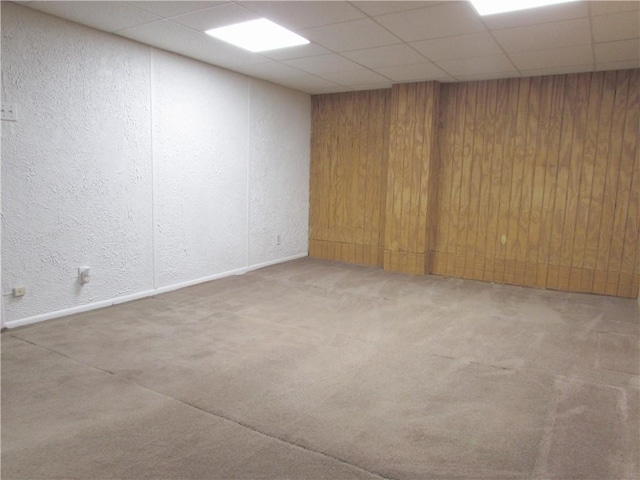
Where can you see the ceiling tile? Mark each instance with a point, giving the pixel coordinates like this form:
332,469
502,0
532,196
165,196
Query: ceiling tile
462,46
180,39
324,91
224,55
622,26
544,36
557,70
312,84
551,13
107,16
272,71
374,8
485,76
385,56
449,34
478,65
610,7
617,51
299,15
323,64
168,35
308,50
353,35
371,86
407,73
171,9
219,16
553,58
444,20
355,77
621,65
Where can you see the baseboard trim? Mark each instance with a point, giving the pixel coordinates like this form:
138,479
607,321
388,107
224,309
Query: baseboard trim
79,309
208,278
258,266
145,294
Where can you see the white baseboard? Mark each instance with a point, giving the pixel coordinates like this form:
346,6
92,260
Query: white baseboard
208,278
79,309
258,266
144,294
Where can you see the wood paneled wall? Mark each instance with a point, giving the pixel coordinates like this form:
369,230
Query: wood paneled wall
348,176
550,165
413,153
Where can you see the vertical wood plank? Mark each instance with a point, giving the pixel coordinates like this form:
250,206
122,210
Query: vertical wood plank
486,164
551,180
535,275
570,282
630,233
494,153
526,271
584,282
508,104
465,185
456,181
416,159
472,253
620,83
597,199
557,279
512,273
429,183
385,152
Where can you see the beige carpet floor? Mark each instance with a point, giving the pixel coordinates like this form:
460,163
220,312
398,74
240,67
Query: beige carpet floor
316,370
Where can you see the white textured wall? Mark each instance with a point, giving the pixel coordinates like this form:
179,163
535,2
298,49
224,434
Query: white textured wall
200,161
153,169
76,167
278,172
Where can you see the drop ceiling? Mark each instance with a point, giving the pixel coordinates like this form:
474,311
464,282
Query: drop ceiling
363,45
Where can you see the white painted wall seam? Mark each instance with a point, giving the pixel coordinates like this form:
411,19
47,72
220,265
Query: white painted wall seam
153,172
248,167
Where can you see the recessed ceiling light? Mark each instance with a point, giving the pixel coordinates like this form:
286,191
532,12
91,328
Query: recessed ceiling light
489,7
257,35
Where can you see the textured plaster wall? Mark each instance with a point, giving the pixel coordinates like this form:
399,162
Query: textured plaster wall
76,167
153,169
200,140
278,172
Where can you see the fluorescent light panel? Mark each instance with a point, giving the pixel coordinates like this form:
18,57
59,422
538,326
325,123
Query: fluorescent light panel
490,7
257,35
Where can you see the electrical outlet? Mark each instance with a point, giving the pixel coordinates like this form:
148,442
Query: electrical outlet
18,291
8,112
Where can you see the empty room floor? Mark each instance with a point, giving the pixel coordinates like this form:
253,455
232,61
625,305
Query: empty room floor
317,370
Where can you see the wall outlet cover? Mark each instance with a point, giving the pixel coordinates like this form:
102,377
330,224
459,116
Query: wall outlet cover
19,291
8,112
